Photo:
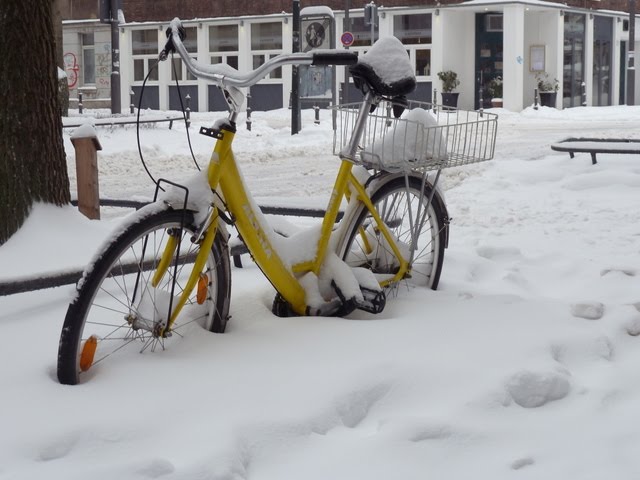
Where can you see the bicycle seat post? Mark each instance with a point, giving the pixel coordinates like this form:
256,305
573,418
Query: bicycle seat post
349,152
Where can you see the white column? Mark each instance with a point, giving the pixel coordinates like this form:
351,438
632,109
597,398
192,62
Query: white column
615,64
588,58
126,73
287,47
513,57
636,63
164,73
559,59
437,46
245,61
385,25
203,57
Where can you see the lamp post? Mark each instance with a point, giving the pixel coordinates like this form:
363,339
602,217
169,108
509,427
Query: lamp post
371,18
109,14
631,70
295,73
346,27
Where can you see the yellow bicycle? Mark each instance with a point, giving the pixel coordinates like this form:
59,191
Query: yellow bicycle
168,266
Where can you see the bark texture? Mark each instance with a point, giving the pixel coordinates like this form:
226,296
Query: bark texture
32,160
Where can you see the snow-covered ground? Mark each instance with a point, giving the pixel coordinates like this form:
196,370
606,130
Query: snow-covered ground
523,365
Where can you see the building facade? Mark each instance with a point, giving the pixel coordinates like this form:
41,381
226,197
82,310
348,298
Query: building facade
582,45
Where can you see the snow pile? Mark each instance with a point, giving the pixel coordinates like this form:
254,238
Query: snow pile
414,141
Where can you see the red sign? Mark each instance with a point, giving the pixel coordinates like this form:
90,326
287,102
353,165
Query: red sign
347,39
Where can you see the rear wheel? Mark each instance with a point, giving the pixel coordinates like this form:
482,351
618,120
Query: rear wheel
419,232
117,310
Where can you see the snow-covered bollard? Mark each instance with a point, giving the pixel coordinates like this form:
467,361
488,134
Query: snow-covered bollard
86,144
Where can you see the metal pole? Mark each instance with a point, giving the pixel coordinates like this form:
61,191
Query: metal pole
373,29
115,59
188,110
249,111
434,105
346,27
631,71
481,92
295,74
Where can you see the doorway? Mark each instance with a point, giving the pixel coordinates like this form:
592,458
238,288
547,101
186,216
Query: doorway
623,74
573,60
602,60
489,41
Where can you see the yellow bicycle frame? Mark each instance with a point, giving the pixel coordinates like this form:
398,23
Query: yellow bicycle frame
223,174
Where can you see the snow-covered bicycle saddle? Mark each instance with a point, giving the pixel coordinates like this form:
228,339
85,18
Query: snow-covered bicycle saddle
385,69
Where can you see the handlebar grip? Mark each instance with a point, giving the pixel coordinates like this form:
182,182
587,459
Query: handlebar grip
335,58
169,47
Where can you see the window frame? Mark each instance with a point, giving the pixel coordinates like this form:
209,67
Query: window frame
275,76
414,48
85,49
184,76
146,58
224,55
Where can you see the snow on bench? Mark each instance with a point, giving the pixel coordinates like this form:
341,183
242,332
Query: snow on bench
597,145
72,122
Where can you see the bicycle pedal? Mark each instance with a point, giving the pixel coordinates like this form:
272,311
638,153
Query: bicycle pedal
374,301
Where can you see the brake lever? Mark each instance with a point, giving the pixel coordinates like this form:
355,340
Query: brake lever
169,47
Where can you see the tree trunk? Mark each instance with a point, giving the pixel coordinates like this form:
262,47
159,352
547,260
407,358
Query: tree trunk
56,11
32,160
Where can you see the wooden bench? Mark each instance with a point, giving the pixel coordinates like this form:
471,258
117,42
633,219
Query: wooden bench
597,145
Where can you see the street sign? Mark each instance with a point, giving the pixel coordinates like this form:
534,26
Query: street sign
347,39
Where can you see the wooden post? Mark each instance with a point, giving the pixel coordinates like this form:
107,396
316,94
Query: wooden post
85,141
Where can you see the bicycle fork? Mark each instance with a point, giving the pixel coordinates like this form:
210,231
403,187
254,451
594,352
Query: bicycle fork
196,277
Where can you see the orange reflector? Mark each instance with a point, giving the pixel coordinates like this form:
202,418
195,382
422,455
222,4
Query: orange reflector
203,286
88,352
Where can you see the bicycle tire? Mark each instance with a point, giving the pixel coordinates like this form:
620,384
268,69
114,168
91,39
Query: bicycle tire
108,306
388,198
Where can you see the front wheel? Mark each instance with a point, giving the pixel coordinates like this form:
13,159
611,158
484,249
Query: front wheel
118,310
419,232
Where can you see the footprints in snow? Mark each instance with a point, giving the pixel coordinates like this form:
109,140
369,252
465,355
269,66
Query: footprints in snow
77,444
522,462
156,468
58,449
535,389
596,311
588,310
506,268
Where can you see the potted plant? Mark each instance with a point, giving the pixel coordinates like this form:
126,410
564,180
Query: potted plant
450,81
547,89
495,90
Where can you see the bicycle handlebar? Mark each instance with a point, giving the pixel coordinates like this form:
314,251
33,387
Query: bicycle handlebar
224,75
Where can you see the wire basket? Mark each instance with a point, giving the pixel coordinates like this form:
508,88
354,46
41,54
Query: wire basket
426,137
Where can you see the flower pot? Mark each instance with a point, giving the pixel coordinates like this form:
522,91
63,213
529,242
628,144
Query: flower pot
450,99
548,99
496,102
